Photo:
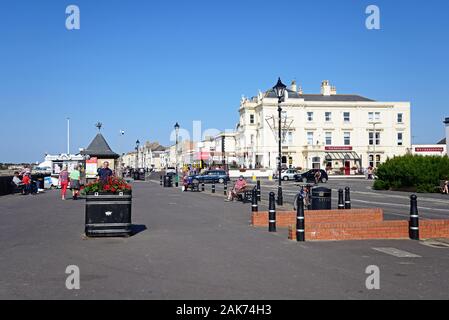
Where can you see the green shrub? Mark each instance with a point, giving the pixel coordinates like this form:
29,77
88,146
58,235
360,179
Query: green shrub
380,185
414,172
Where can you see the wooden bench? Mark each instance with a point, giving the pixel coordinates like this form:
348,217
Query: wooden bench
246,194
194,187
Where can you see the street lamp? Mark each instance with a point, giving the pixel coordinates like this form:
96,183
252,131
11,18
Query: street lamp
137,154
176,152
279,90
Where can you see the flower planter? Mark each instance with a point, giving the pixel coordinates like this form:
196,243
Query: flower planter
108,214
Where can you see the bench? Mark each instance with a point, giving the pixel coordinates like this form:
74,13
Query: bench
194,186
246,194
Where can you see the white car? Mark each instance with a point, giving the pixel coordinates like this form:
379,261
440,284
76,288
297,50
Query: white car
288,174
170,170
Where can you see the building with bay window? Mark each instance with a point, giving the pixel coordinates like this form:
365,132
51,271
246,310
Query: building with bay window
344,132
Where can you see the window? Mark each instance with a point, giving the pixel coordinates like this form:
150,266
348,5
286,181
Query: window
377,116
400,118
309,116
347,138
328,116
328,138
400,139
346,116
373,116
288,138
371,161
310,138
251,119
377,160
374,138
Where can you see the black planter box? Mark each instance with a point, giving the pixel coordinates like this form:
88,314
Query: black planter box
108,215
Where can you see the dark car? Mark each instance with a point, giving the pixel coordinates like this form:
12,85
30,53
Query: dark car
211,176
309,176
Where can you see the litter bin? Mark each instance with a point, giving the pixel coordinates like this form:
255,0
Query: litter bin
168,181
321,198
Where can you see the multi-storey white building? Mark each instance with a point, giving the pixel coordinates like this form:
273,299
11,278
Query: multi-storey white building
321,130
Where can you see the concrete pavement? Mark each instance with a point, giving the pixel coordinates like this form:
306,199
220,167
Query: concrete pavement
196,247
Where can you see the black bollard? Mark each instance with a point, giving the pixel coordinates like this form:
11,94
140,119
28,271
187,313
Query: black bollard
300,220
254,205
347,198
202,187
341,204
225,188
272,213
280,197
213,187
414,218
259,193
161,180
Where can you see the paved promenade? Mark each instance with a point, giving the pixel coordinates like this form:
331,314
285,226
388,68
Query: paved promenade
196,246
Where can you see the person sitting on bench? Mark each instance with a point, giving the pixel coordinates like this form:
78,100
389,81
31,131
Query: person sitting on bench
17,182
238,186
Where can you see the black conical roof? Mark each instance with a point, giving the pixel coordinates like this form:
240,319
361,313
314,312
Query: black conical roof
100,148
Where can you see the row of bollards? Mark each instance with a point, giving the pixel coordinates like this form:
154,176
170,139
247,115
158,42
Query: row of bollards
300,216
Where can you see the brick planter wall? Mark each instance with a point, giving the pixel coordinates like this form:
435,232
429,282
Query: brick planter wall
284,219
355,224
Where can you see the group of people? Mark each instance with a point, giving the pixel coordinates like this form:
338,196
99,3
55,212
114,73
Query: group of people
72,180
26,185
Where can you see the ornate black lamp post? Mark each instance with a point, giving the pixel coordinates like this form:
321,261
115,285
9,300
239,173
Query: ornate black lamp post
176,156
137,154
279,90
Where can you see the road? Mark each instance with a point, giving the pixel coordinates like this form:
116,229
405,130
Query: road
196,246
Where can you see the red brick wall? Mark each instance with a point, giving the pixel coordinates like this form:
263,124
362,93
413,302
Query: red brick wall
353,231
429,229
284,219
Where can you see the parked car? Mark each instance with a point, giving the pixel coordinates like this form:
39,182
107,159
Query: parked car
171,171
309,176
288,174
211,176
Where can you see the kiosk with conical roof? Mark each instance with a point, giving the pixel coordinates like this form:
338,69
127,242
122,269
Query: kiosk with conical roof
100,151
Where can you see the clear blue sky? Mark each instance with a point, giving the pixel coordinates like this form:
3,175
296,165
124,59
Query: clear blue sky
141,66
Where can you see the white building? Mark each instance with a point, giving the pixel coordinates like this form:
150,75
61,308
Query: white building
446,122
321,130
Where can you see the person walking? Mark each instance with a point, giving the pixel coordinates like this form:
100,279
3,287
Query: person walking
64,181
446,187
75,184
317,176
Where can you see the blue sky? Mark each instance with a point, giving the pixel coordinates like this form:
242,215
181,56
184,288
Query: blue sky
140,66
